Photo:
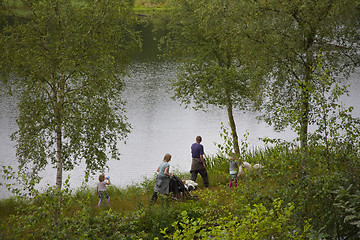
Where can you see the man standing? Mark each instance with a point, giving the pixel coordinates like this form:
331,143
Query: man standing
198,162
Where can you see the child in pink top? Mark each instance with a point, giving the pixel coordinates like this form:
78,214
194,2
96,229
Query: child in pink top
101,189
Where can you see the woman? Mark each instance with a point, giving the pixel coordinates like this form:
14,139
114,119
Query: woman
162,178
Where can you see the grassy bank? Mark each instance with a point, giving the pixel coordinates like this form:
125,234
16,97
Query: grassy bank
277,202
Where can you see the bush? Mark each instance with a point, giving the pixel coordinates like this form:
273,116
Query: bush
257,223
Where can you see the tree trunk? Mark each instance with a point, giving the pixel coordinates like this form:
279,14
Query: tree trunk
59,165
305,98
229,105
304,118
232,125
59,156
304,121
58,114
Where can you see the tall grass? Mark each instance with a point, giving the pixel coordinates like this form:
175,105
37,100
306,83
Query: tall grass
317,204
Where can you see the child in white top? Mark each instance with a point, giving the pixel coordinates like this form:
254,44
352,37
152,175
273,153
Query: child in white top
101,189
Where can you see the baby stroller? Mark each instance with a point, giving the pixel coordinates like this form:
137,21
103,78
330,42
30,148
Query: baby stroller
179,190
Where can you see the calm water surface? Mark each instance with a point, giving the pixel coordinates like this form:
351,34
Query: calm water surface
160,125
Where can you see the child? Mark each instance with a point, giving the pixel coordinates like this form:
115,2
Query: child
162,178
189,185
233,168
101,189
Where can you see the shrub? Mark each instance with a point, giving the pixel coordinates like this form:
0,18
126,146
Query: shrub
258,223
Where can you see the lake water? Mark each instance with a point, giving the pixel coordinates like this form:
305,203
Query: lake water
159,126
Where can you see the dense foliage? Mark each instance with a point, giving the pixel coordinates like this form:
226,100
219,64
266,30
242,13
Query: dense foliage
285,199
234,54
66,61
274,203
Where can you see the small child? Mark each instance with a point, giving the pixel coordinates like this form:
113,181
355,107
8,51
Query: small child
189,185
101,189
233,168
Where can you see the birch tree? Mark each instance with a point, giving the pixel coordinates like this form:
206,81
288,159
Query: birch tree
206,38
291,35
66,60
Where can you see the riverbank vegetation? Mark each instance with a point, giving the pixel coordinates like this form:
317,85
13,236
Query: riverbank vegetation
275,202
289,61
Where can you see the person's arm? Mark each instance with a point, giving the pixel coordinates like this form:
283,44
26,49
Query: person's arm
166,172
108,182
202,155
97,189
202,160
158,169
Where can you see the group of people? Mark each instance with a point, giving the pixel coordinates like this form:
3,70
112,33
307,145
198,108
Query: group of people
198,166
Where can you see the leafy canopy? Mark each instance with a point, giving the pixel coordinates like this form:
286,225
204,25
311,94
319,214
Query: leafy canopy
66,59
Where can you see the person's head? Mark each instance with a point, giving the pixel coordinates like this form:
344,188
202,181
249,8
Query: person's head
167,157
101,177
198,139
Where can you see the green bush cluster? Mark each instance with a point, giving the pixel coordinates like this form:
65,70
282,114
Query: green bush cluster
257,222
324,193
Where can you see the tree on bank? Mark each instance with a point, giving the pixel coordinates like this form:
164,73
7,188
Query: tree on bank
221,42
205,37
292,35
67,59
